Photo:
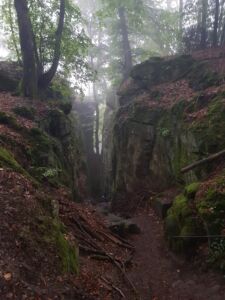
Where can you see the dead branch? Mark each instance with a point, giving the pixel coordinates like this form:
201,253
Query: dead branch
113,286
116,241
203,161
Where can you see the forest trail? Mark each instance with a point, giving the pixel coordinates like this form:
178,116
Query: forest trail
158,275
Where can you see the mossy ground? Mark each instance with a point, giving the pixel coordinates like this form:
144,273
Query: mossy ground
7,160
54,233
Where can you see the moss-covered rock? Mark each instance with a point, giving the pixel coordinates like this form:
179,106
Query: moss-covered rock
191,190
181,225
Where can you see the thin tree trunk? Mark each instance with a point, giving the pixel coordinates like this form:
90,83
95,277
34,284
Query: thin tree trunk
216,23
204,24
168,4
11,24
96,120
125,42
181,17
223,35
30,87
47,77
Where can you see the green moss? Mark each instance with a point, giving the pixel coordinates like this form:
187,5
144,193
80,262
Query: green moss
54,233
191,190
7,160
41,147
180,208
25,112
180,223
211,209
209,132
67,253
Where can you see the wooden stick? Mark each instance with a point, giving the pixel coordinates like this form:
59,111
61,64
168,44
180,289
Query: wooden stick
203,161
113,286
116,241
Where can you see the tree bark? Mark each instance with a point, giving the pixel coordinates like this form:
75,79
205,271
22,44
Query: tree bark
46,78
204,24
216,23
125,42
29,84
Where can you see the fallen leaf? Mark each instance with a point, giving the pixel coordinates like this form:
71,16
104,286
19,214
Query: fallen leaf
7,276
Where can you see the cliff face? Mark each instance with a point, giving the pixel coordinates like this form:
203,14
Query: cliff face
171,114
45,141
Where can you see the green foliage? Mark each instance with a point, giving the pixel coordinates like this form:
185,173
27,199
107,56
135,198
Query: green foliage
164,132
44,19
216,257
60,90
25,112
50,173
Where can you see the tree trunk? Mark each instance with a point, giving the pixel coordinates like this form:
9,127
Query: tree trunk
216,23
29,84
223,36
125,42
168,4
204,24
46,78
181,17
12,29
96,120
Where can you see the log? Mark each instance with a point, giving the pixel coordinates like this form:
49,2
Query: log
203,161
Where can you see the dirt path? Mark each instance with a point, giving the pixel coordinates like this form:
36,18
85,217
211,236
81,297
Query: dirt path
158,275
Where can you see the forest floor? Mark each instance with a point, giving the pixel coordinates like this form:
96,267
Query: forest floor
159,275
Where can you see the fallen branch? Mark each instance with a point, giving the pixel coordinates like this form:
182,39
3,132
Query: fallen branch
92,251
113,286
116,241
203,161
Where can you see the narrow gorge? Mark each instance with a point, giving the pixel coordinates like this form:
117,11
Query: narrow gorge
132,222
